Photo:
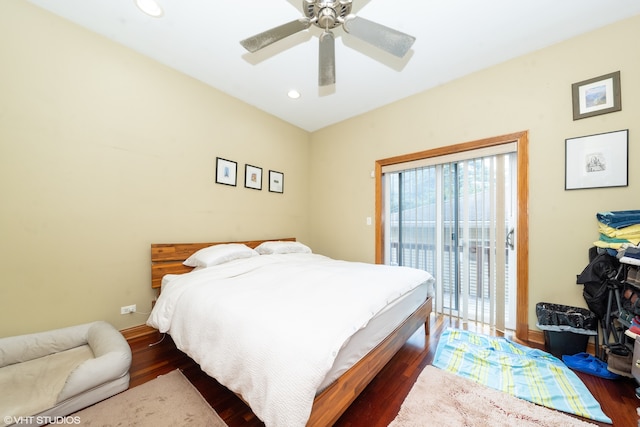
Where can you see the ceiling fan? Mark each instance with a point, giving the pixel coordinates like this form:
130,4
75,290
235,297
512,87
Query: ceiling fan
327,15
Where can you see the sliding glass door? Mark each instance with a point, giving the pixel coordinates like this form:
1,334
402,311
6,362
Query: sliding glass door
456,217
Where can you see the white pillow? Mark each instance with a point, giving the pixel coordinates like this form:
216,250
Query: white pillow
219,254
282,247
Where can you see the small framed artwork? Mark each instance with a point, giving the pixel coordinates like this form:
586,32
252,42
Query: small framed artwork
599,95
253,177
226,171
276,182
597,161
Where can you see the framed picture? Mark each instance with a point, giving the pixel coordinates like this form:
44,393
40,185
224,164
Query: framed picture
276,182
253,177
226,171
596,161
599,95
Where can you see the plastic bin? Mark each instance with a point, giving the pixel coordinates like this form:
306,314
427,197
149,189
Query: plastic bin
561,343
566,329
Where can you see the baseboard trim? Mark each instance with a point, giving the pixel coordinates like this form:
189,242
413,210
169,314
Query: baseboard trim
138,332
534,336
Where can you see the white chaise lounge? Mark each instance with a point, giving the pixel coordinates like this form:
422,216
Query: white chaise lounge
55,373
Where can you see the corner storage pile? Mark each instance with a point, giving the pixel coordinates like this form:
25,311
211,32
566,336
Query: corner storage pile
612,287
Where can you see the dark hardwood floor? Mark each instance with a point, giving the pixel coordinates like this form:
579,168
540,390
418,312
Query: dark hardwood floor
379,403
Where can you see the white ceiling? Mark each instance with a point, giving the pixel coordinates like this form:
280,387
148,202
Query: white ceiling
453,38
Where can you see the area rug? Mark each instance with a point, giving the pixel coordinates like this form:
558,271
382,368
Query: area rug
440,398
528,373
168,400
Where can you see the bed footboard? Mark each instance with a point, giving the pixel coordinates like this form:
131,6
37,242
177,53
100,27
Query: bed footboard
329,405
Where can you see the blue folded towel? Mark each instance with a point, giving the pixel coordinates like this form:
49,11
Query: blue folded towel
619,219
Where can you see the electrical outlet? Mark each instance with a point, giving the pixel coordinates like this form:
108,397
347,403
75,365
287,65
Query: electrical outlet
128,309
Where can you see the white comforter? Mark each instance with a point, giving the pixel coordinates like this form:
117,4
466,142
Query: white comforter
270,326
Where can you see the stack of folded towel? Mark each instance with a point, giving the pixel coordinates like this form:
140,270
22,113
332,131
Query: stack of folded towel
619,231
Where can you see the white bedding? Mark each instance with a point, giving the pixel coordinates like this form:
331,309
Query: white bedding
269,327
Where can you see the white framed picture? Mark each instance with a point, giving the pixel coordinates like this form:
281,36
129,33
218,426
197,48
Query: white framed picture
226,171
276,182
596,161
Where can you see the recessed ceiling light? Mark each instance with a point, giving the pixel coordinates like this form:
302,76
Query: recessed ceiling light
293,94
150,7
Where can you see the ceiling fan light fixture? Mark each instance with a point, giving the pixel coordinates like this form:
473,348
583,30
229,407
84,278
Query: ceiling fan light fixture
327,18
150,7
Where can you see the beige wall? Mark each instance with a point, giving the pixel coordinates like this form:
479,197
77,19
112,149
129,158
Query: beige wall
529,93
103,152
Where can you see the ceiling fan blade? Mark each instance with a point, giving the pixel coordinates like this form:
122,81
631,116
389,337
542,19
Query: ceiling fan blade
385,38
257,42
327,59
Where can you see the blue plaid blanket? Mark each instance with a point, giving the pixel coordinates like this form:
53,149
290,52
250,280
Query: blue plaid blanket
524,372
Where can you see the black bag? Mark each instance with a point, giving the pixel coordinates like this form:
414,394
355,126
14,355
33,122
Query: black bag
602,269
595,295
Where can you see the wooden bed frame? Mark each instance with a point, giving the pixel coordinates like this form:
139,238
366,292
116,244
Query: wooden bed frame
328,406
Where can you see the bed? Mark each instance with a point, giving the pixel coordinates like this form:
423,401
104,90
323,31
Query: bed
212,310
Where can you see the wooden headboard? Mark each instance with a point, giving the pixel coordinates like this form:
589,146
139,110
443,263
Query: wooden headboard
167,258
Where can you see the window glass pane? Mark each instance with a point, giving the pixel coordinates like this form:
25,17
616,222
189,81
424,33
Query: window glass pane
443,219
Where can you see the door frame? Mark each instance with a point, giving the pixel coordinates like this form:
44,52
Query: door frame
522,143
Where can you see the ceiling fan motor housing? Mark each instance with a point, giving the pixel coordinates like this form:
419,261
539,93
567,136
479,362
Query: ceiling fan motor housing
326,14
